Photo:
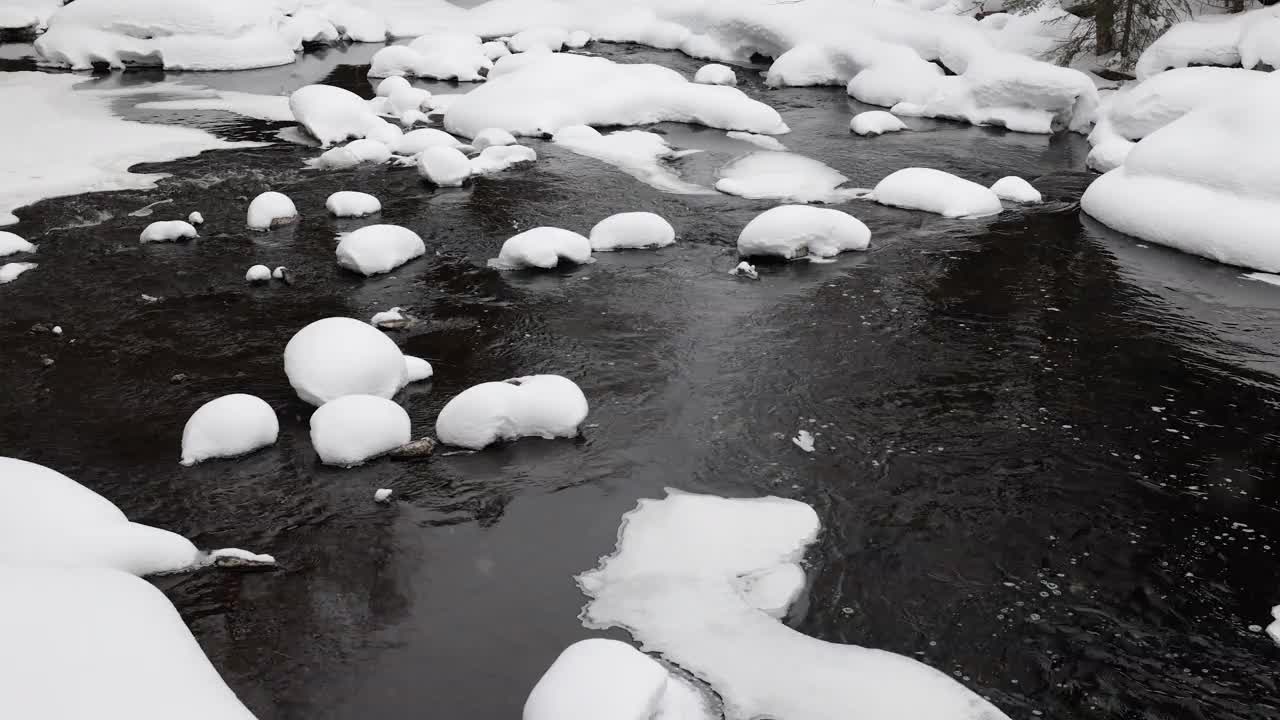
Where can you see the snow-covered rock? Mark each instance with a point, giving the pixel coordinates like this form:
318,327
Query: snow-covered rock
764,142
387,318
340,356
547,406
382,495
356,23
95,642
577,39
1143,108
715,74
631,230
258,274
280,273
332,114
444,166
497,158
269,210
308,27
796,231
684,581
1015,189
782,176
10,271
1273,630
441,55
876,122
376,249
808,64
936,191
638,153
349,203
491,137
388,85
175,34
415,141
353,429
195,218
599,678
229,426
49,520
539,93
1214,39
167,231
745,269
542,247
417,369
11,243
539,39
356,152
495,49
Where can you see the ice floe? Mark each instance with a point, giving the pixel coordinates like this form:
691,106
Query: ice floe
783,176
638,153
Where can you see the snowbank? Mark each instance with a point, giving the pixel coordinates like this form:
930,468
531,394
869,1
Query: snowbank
875,122
795,231
715,74
632,230
352,429
544,94
167,231
332,114
680,583
444,166
349,203
10,271
635,152
936,191
376,249
542,247
49,520
340,356
599,679
1141,109
1245,38
1207,183
174,34
782,176
92,642
547,406
441,55
229,426
27,15
257,274
1015,189
11,243
497,158
270,209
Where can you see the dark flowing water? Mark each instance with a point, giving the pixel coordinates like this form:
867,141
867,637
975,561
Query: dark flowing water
1045,453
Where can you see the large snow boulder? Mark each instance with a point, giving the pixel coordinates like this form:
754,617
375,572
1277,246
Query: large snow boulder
376,249
632,230
269,210
99,643
542,247
936,191
49,520
547,406
599,679
11,243
229,426
349,203
444,166
352,429
167,231
796,231
332,114
341,356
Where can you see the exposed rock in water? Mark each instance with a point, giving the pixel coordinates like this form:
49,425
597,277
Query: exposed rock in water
415,450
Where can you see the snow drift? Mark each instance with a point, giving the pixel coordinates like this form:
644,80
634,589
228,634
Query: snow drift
547,406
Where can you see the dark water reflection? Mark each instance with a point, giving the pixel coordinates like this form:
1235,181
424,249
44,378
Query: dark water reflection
1044,456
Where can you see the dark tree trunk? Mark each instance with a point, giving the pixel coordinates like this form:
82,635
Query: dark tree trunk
1104,20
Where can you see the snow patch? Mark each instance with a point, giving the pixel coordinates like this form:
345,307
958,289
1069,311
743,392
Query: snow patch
11,243
10,271
635,152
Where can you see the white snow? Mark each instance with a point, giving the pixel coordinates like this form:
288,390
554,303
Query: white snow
444,166
782,176
387,317
58,141
1015,189
340,356
263,107
382,495
174,34
495,49
635,152
308,27
417,369
257,274
376,249
715,74
279,272
1207,183
539,39
490,137
745,269
761,141
167,231
803,440
11,243
547,406
270,209
631,230
1214,39
936,191
332,114
27,14
577,39
681,583
601,679
356,152
1274,628
10,271
352,429
795,231
244,556
415,141
49,520
876,122
542,247
93,642
229,426
538,93
497,158
441,55
195,218
349,203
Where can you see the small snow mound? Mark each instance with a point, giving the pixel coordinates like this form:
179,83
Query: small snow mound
332,114
415,141
782,176
353,429
439,55
382,495
497,158
417,369
1273,629
577,39
599,678
495,49
10,271
11,243
876,122
715,74
803,440
388,85
632,230
340,356
764,142
349,203
258,274
195,218
376,249
938,192
490,137
444,166
280,273
387,318
356,152
269,210
745,269
540,39
235,557
547,406
795,231
542,247
1015,189
167,231
228,426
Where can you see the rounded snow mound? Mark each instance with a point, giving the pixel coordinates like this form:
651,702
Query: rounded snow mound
795,231
440,55
444,166
340,356
258,274
542,247
496,158
352,429
539,39
938,192
1015,189
269,210
229,426
547,406
490,137
415,141
332,114
632,230
49,520
601,678
376,249
167,231
11,243
10,271
417,369
388,85
349,203
356,152
715,74
876,122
